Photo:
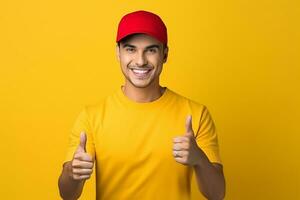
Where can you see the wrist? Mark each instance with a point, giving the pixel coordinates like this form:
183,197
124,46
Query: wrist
201,159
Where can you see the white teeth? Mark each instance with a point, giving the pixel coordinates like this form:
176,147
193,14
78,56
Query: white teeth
140,71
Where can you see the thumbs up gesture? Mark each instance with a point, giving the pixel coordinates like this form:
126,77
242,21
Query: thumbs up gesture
82,163
185,148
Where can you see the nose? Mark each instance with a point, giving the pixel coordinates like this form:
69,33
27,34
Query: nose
140,59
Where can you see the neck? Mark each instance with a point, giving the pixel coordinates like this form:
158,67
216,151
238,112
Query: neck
143,95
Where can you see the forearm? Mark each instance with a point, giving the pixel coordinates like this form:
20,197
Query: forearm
211,181
69,188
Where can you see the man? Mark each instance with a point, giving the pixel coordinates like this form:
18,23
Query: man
145,140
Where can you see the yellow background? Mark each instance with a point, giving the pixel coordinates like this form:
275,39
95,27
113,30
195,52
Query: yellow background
238,57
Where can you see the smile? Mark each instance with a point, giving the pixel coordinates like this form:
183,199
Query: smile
141,73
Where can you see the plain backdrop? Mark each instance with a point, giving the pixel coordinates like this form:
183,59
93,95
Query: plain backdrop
239,58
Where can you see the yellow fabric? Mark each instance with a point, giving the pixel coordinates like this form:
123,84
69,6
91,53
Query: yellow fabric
133,144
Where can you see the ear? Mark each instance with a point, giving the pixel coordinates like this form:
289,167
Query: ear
118,52
166,51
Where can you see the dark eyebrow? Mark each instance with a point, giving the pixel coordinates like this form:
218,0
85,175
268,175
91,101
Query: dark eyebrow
129,45
152,46
148,47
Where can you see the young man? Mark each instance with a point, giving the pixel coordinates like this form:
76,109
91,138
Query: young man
145,140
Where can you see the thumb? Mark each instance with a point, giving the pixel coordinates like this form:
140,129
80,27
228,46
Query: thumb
188,126
82,144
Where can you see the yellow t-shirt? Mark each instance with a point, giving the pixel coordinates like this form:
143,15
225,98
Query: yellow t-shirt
132,144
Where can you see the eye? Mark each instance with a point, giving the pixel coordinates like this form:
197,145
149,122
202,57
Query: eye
152,50
130,49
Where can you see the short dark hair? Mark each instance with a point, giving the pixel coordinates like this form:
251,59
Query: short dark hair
129,36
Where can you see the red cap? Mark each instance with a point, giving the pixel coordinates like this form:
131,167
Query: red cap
142,22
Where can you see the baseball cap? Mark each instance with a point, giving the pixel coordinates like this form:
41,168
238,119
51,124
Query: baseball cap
142,22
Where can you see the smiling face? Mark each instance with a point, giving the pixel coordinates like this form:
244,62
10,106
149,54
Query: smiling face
141,58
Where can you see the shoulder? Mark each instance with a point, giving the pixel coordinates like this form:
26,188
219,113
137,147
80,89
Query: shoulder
94,109
94,113
193,105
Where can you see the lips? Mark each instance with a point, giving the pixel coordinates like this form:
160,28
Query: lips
141,73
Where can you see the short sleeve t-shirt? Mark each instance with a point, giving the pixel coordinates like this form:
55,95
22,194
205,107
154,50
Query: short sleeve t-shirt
132,145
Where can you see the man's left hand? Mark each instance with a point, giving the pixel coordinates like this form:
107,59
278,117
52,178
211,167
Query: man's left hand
185,148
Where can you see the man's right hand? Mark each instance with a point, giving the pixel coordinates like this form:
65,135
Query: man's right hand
82,163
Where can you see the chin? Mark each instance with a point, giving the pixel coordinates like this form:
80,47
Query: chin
140,84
